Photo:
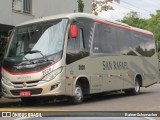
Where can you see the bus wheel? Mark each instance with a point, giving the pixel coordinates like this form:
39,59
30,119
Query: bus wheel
135,90
28,101
78,98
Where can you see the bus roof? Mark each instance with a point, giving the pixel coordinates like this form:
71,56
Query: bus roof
86,15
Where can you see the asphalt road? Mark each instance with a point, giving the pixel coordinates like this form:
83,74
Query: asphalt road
148,100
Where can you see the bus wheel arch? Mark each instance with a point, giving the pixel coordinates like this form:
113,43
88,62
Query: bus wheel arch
137,85
139,78
81,88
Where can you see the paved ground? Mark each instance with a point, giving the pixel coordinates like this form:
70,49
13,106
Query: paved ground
148,100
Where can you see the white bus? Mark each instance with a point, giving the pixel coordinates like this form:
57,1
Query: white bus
76,55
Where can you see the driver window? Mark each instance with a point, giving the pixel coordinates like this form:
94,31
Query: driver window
76,43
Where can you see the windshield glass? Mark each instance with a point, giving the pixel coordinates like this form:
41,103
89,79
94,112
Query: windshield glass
46,37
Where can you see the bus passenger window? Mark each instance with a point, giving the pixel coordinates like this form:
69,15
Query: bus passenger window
104,40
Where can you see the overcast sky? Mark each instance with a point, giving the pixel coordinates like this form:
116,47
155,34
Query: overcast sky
143,7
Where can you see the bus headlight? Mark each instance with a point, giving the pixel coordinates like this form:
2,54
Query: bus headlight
7,82
52,75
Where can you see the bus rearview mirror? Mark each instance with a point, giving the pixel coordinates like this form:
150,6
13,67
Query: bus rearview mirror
73,31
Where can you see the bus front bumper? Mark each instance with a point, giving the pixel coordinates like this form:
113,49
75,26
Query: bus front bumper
44,89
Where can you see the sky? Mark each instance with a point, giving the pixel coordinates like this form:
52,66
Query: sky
143,7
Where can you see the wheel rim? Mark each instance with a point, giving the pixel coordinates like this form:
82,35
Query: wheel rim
137,87
78,93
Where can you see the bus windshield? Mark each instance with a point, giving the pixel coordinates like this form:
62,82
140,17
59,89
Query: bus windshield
46,37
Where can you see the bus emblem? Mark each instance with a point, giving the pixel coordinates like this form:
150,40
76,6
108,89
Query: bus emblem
24,84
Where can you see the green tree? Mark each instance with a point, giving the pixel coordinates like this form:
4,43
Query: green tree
102,5
153,25
133,19
80,5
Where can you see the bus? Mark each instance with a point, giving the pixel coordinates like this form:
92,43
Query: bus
75,55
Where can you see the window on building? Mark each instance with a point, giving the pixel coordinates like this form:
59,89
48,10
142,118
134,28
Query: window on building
23,6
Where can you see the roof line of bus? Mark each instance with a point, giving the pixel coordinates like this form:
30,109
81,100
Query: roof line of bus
125,27
86,15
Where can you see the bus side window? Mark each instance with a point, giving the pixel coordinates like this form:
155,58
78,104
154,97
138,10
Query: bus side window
76,43
104,41
79,48
75,46
81,39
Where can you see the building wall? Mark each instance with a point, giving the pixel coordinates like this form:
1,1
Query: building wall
8,17
40,8
58,6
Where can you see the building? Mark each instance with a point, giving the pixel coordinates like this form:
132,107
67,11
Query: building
13,12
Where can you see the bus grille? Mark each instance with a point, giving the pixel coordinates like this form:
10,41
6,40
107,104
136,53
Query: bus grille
33,91
28,84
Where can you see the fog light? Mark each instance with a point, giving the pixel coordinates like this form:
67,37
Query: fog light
3,90
54,86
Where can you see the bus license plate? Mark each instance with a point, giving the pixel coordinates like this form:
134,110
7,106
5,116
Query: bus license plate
25,93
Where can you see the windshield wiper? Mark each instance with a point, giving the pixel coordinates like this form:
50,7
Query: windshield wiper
26,58
36,51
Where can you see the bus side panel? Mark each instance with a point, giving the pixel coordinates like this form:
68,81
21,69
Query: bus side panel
109,73
150,66
69,79
144,66
87,68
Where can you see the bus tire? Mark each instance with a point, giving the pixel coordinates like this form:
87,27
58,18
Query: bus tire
78,98
135,90
28,101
